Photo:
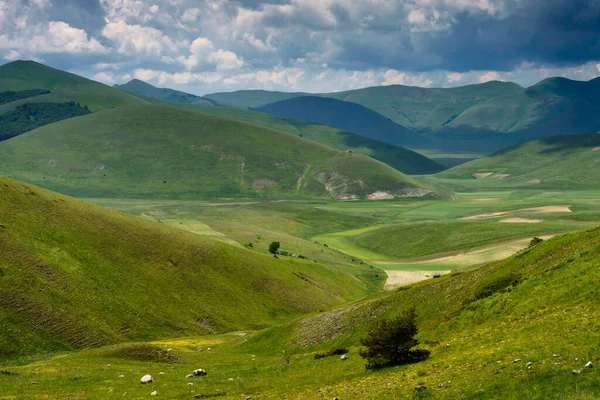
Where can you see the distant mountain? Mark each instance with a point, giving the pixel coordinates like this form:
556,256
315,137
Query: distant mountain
404,160
481,118
251,98
165,152
552,107
344,115
75,275
559,162
145,89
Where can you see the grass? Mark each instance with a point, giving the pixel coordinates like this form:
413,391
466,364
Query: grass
64,87
560,162
547,316
404,160
74,275
113,154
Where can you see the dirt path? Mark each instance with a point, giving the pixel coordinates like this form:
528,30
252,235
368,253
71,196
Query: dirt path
402,278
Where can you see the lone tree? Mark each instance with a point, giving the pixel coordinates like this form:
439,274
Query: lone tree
389,342
274,247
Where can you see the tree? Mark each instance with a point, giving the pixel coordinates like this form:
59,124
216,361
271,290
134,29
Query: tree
389,342
274,247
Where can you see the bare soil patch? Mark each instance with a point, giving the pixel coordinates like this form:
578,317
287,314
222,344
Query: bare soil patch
517,220
403,278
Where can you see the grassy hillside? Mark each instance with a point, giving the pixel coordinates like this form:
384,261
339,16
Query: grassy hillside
512,329
559,162
551,107
64,87
250,98
164,152
145,89
404,160
76,275
343,115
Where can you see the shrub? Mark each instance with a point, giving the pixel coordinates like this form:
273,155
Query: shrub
274,247
535,241
497,285
328,353
389,342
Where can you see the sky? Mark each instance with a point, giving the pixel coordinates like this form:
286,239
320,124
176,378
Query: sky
206,46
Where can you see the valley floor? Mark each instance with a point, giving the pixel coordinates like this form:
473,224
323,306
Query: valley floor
480,353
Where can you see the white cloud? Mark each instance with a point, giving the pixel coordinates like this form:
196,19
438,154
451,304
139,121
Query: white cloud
104,77
598,67
202,53
137,39
54,37
225,60
454,77
179,78
393,77
489,76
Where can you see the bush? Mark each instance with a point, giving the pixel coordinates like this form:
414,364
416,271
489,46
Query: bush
535,241
389,342
274,247
497,285
329,353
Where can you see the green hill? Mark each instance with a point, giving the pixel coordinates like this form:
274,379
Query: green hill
164,152
551,107
344,115
559,162
404,160
251,98
145,89
19,76
508,330
76,275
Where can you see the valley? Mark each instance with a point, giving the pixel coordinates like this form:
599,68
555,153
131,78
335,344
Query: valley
259,235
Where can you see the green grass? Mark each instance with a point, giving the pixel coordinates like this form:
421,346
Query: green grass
560,162
75,275
64,87
151,151
420,239
404,160
547,315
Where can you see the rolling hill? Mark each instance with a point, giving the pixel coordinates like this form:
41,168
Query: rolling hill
346,116
481,118
404,160
567,162
247,99
138,87
63,86
552,107
76,275
164,152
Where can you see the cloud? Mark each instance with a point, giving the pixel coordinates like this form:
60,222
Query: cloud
137,39
454,77
104,77
225,60
202,52
53,37
489,76
598,67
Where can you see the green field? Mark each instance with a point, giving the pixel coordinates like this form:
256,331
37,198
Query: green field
113,153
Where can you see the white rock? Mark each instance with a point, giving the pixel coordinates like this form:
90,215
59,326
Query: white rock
146,379
208,349
161,373
589,365
230,379
529,364
190,384
189,376
169,350
344,357
121,376
199,372
576,372
155,393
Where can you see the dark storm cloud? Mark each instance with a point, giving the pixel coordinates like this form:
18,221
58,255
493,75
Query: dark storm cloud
291,43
